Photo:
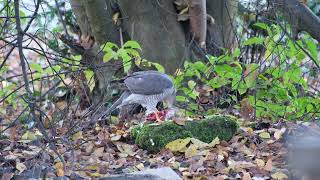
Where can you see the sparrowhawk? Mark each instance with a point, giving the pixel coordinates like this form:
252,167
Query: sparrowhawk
146,88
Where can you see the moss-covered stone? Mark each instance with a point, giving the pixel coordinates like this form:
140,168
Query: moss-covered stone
153,137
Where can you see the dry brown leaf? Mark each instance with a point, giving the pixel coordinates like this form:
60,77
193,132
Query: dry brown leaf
278,133
246,176
268,166
60,169
179,121
98,152
125,150
89,148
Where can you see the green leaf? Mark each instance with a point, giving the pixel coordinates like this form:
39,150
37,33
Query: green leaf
253,40
181,99
236,53
132,44
261,25
191,84
199,66
36,67
108,56
312,48
108,46
159,67
133,52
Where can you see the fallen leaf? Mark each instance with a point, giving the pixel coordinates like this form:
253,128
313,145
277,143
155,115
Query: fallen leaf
6,176
77,136
278,133
268,166
191,151
279,175
59,168
260,162
265,135
125,149
21,167
178,145
140,166
98,152
246,176
214,142
179,121
115,138
30,136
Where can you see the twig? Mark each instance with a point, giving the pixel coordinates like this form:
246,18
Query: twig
30,101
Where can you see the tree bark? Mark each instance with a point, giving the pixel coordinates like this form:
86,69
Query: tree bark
154,25
221,34
300,17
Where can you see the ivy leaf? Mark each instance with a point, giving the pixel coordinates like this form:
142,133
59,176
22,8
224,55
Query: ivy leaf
132,44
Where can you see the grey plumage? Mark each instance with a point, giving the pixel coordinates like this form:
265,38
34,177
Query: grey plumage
146,88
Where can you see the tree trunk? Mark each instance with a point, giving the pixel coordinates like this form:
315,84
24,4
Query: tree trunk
300,17
154,25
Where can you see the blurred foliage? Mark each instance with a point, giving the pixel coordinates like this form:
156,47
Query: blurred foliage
276,87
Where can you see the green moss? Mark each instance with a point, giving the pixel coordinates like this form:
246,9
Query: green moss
153,137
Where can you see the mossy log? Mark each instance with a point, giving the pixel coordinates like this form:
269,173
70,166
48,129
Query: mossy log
153,137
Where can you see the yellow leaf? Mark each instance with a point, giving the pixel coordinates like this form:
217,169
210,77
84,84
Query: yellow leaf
96,174
21,167
191,151
260,162
265,135
199,143
93,167
29,136
279,175
77,136
214,142
249,130
178,145
140,166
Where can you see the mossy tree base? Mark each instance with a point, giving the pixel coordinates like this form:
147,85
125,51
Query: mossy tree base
153,137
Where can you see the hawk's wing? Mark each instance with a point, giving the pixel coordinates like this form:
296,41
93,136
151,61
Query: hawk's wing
148,82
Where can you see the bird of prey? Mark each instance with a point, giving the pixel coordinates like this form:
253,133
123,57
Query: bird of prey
146,88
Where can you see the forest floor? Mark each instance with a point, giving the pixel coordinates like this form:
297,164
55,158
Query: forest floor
257,151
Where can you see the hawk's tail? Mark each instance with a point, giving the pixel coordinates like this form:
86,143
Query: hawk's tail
115,105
